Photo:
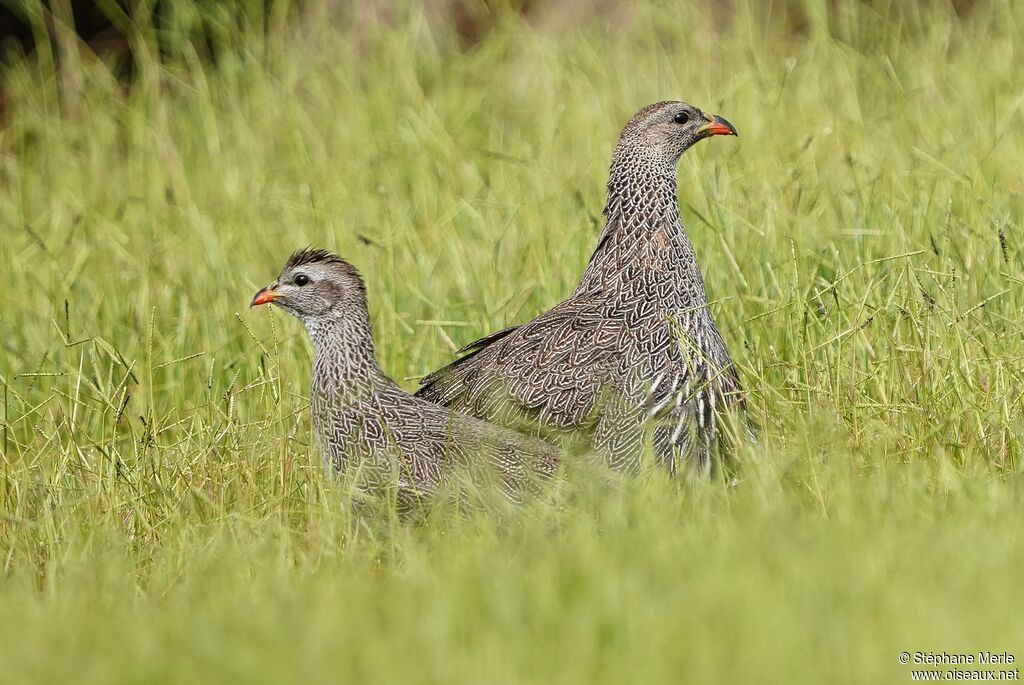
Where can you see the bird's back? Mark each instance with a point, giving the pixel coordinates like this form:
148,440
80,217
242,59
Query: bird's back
598,368
397,437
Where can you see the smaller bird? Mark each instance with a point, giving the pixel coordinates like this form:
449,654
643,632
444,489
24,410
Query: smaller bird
363,419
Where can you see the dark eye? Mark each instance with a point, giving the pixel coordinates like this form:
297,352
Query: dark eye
681,117
301,279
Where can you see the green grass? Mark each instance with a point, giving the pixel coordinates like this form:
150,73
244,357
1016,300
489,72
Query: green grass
163,516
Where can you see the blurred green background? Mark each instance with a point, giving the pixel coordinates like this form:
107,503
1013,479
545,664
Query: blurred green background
163,515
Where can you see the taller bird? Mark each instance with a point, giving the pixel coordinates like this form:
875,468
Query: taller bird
634,353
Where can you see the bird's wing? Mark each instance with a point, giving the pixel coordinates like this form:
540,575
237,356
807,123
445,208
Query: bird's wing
548,371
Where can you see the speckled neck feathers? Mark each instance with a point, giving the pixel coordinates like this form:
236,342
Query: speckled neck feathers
345,368
643,240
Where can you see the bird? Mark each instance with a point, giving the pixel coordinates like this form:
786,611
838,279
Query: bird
632,363
362,418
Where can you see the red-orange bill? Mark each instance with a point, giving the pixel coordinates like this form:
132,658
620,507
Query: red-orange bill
264,296
720,127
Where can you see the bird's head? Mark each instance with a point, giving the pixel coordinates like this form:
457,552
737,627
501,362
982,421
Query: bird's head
314,283
667,129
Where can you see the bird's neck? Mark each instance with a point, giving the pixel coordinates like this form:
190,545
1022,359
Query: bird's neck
642,188
345,365
644,248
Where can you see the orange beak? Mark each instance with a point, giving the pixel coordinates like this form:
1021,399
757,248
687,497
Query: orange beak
264,296
718,127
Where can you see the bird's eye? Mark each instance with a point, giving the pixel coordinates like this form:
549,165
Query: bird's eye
681,117
301,279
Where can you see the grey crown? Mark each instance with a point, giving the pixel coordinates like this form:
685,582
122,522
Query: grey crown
634,353
362,418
